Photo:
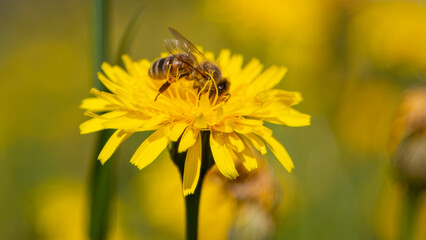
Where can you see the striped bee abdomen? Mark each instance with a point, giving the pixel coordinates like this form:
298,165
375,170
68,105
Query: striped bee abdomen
158,69
171,65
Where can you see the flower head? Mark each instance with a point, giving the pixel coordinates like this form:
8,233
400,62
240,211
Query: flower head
182,113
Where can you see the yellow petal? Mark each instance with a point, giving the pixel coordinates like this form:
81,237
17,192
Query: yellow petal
114,73
249,122
209,56
124,122
110,85
250,71
292,120
205,104
175,130
295,119
279,113
192,168
247,158
130,65
273,81
220,114
234,141
155,122
222,156
256,142
285,97
188,139
279,152
96,105
92,125
149,150
231,66
244,126
112,144
96,123
109,97
267,80
243,129
263,131
223,58
245,108
235,63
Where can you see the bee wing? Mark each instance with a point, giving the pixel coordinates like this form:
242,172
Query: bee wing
182,45
175,47
186,45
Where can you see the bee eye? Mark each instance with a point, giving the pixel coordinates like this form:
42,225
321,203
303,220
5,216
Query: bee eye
223,86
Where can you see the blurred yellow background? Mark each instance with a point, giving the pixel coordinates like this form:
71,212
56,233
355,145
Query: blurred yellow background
351,60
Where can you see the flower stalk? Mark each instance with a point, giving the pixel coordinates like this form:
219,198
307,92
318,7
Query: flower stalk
192,201
102,185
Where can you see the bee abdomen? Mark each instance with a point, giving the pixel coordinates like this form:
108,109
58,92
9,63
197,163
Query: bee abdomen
159,68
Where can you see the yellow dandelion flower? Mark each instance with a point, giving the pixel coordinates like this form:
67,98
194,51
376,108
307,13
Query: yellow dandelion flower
182,113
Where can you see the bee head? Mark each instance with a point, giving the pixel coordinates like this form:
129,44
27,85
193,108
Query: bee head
213,69
223,86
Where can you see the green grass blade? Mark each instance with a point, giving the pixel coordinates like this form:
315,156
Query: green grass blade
129,34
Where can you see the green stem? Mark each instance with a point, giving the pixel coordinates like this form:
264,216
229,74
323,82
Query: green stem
409,213
102,177
102,185
192,202
192,205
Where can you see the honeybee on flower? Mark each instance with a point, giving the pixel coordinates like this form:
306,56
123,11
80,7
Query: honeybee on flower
184,63
234,125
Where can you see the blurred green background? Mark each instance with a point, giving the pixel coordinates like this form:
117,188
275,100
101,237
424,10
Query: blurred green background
351,60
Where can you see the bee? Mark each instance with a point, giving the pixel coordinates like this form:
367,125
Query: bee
187,62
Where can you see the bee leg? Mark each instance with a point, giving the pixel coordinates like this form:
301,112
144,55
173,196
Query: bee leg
197,88
226,97
184,75
163,88
212,93
169,82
